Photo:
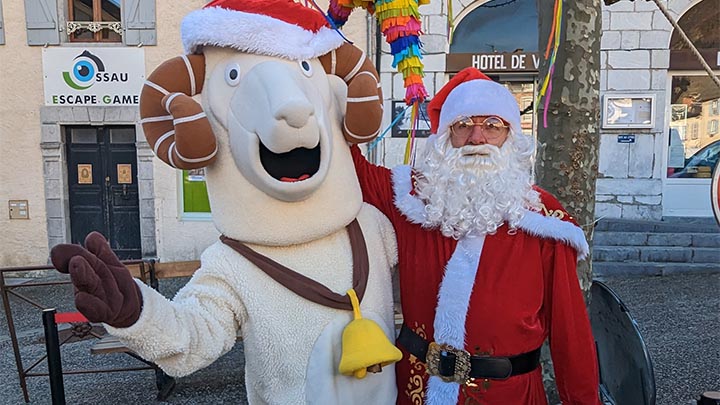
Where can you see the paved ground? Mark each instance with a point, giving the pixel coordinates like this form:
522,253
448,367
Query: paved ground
679,317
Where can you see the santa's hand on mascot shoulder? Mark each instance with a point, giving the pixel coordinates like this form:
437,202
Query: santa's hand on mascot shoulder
104,288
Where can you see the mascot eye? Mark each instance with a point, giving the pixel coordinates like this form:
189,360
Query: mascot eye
306,68
232,74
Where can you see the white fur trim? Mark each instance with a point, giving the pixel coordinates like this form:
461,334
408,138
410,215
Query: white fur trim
451,312
532,223
407,204
480,97
255,34
550,227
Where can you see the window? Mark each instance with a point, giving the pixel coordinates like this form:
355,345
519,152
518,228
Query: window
713,127
694,133
527,113
195,202
94,21
714,108
131,22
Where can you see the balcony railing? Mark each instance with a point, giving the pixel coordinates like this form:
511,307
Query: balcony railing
94,26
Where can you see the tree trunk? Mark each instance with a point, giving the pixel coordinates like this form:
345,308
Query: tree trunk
567,160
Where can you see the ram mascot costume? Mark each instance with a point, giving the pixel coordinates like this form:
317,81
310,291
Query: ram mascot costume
281,95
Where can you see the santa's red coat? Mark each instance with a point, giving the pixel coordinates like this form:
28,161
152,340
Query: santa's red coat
526,290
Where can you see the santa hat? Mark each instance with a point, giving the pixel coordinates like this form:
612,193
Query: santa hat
281,28
471,93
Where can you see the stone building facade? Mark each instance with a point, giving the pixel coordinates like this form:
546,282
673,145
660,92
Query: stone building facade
56,148
640,176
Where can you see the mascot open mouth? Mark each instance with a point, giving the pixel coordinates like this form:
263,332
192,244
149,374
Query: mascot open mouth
297,165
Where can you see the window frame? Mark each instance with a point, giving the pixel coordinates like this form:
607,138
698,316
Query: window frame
97,17
188,216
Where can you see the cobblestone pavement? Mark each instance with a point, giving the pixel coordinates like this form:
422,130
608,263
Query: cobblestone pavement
679,317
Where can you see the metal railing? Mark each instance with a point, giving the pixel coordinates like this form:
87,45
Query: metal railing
144,270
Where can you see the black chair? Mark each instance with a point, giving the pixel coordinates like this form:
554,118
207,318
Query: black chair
626,370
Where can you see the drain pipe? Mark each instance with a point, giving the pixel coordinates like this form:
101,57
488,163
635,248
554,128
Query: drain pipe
373,26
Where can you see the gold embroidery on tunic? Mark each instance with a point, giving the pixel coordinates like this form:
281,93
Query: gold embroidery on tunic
559,214
416,385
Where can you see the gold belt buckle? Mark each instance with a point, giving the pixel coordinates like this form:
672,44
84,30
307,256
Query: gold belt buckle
462,362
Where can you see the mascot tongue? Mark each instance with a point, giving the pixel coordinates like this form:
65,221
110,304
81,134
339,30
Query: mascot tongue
293,180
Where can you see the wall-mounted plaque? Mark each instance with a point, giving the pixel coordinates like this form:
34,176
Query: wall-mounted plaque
628,111
124,173
19,209
403,125
85,174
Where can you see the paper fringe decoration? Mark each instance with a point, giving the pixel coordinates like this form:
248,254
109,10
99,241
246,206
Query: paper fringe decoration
400,24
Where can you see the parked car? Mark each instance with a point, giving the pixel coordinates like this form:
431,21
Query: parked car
701,163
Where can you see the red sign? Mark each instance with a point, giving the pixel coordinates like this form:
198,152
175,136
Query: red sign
715,192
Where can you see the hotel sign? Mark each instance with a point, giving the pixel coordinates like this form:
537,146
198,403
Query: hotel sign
517,62
93,76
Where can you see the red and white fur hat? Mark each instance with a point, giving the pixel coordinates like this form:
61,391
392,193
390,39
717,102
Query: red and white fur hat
281,28
471,93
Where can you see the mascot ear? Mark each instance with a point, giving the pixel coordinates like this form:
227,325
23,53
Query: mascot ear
364,102
175,125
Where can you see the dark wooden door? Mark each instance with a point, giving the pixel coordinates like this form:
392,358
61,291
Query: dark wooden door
102,178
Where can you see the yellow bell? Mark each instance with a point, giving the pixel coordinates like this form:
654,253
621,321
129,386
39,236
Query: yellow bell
364,344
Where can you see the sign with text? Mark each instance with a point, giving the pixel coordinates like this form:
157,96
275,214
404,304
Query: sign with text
626,138
494,62
93,76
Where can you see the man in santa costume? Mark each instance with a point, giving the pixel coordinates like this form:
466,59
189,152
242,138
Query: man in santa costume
487,260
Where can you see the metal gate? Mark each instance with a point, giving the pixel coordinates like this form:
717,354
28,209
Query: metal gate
103,187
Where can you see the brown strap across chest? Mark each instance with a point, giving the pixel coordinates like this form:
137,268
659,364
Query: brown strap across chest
307,287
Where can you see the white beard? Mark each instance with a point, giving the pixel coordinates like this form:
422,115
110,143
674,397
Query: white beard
475,189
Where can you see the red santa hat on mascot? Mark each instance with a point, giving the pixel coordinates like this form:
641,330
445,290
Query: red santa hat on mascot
281,28
471,93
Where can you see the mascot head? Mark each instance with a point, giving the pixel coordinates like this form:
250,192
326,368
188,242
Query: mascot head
281,93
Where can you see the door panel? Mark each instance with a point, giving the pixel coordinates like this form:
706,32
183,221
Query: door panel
107,201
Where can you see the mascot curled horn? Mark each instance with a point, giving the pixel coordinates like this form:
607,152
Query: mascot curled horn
291,273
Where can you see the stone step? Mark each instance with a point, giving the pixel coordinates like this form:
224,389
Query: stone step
659,254
673,225
695,239
651,268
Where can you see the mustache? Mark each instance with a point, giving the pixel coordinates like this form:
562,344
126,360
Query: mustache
488,150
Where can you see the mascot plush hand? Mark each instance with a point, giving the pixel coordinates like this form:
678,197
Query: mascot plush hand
302,270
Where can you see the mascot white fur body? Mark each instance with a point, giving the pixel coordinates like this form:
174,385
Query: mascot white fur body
262,105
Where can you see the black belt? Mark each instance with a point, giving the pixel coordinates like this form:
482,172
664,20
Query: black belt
457,365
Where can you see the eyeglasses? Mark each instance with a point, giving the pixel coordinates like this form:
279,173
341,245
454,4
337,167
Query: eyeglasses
492,127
